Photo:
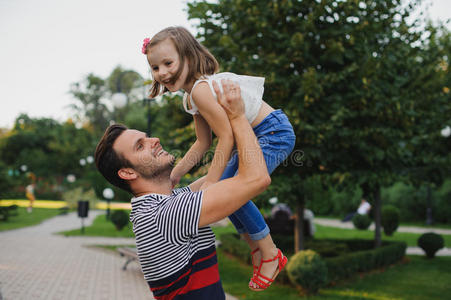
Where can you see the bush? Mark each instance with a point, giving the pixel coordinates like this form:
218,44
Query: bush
79,194
361,222
327,248
344,266
430,243
307,269
390,219
120,219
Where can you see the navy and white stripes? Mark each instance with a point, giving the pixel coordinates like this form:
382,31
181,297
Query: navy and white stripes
167,233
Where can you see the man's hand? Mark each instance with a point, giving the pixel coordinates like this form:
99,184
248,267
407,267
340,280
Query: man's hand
230,100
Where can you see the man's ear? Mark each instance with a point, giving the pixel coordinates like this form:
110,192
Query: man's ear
127,174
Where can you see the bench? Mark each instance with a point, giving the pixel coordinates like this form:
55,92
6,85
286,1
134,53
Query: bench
129,253
8,211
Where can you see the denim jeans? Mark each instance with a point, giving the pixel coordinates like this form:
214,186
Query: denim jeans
276,138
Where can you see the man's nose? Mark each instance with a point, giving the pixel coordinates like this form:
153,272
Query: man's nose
154,141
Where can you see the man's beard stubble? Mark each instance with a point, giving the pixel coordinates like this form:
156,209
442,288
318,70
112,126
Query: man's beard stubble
158,173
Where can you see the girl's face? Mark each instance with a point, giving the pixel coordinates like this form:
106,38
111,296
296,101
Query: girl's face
164,62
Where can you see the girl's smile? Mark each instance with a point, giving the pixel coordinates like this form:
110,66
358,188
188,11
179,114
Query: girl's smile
164,62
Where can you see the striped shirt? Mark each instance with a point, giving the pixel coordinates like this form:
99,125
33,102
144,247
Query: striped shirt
177,257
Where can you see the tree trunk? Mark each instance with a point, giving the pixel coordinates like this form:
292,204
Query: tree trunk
377,217
429,220
299,228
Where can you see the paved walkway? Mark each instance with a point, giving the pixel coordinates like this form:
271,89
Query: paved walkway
37,264
409,229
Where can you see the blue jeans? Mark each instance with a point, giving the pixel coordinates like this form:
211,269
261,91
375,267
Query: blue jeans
276,138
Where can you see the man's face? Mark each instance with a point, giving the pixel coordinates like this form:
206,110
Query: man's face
145,154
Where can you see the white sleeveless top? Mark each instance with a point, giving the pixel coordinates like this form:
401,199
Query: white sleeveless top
251,91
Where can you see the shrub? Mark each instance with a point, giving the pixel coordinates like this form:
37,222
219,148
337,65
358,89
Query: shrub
344,266
120,219
390,219
73,196
361,222
307,269
430,243
327,248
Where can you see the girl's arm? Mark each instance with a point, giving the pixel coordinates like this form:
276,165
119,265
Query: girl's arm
196,152
218,121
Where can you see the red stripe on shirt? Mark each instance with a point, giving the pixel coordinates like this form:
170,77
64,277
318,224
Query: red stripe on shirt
198,280
186,273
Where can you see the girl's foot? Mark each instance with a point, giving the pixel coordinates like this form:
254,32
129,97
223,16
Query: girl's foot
255,258
267,271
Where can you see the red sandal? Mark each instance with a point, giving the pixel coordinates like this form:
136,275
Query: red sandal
255,267
257,278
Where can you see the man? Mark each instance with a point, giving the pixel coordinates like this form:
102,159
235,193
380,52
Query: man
363,209
175,246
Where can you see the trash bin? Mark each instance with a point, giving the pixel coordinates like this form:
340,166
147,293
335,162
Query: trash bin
83,208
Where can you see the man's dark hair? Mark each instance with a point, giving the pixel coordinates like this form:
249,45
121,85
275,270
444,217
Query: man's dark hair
109,162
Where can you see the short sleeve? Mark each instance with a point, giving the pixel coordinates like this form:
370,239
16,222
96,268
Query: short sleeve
184,189
178,218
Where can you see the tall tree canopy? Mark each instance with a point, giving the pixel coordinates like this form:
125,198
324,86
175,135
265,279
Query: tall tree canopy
351,75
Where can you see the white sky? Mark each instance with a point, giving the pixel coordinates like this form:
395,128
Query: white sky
46,45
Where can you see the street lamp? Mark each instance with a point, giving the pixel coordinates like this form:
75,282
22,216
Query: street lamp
108,194
147,103
446,132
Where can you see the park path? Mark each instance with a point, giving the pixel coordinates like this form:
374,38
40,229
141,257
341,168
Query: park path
37,264
407,229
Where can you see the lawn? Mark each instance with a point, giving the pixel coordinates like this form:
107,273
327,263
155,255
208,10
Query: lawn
325,232
24,219
417,278
102,227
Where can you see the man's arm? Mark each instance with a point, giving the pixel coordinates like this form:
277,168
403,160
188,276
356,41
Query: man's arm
195,186
223,198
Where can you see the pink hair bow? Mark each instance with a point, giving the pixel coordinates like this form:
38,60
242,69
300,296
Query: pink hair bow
145,43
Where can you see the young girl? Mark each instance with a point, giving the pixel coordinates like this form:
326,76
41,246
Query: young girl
179,61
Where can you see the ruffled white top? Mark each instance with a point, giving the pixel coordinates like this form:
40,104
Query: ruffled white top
251,87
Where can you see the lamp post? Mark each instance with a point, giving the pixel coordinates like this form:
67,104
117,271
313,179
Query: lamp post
108,194
147,103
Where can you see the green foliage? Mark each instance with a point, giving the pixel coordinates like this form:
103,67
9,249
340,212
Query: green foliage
78,194
390,219
442,205
308,270
232,244
120,219
344,266
365,84
430,243
361,222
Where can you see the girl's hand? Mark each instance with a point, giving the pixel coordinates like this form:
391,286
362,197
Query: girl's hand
175,179
230,100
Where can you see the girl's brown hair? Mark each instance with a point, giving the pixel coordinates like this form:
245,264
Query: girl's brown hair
200,60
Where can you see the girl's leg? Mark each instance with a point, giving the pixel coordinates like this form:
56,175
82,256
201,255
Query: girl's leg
276,139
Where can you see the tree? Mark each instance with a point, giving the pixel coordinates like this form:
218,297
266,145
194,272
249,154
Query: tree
347,73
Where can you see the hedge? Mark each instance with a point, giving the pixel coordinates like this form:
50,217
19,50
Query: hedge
346,265
361,256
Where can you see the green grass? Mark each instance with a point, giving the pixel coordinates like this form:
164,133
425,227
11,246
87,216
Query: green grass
326,232
413,224
113,247
24,219
420,278
102,227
